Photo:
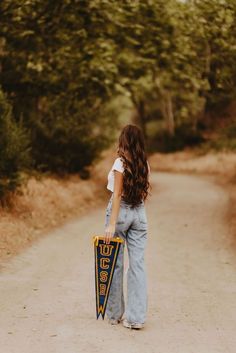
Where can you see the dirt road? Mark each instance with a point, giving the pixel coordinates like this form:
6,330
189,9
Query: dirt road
47,293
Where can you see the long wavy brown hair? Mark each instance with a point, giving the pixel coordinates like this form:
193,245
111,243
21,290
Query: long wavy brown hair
131,150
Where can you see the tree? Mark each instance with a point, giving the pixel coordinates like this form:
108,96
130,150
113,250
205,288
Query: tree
58,70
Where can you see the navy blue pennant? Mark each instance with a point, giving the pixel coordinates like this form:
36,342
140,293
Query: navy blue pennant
105,262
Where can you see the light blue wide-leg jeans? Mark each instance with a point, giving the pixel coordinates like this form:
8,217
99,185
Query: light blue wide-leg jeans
132,227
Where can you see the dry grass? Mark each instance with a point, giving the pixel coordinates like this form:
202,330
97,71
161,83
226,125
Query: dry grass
222,164
47,203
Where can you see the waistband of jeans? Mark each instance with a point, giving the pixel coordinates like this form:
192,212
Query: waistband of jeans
123,203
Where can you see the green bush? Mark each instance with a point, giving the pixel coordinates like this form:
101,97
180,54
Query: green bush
184,136
65,142
226,139
14,151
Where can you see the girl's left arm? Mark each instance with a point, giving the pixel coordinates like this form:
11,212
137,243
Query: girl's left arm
118,185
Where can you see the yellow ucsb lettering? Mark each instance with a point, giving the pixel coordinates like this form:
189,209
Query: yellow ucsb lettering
104,263
103,276
106,249
102,289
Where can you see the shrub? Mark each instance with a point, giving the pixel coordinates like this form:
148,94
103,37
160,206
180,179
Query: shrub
14,150
226,139
184,136
69,140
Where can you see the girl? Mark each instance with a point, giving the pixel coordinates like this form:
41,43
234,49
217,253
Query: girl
128,180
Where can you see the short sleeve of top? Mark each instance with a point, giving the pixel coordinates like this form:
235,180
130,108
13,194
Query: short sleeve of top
117,165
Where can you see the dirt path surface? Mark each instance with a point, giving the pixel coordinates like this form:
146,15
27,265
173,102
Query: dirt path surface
47,292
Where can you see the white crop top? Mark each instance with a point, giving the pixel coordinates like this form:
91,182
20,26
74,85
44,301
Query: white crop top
117,165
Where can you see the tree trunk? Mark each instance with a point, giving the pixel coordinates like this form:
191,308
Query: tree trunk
170,123
166,103
167,111
142,116
141,113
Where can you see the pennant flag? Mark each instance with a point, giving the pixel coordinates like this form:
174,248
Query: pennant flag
105,262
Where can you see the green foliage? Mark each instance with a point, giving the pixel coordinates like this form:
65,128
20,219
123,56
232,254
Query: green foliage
184,136
177,61
14,156
225,140
66,142
58,69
